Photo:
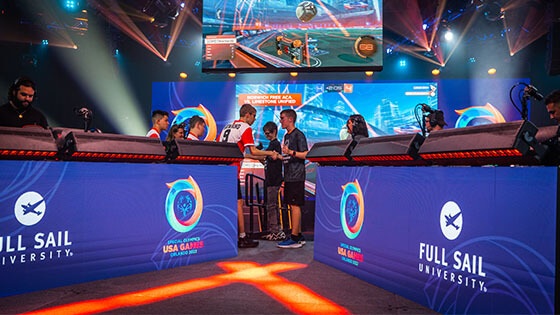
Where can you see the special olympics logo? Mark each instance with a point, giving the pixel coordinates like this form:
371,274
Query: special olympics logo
451,220
30,208
183,205
352,209
478,115
182,115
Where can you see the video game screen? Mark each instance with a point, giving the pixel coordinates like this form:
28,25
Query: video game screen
292,35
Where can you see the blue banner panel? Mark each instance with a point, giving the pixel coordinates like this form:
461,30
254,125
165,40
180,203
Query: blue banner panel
70,222
457,240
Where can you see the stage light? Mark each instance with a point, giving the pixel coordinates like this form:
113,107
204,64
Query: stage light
183,75
231,75
397,150
436,72
71,5
495,144
492,71
45,42
448,35
472,60
402,63
493,12
33,143
294,74
369,73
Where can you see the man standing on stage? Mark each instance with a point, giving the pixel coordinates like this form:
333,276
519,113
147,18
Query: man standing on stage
240,132
19,112
294,149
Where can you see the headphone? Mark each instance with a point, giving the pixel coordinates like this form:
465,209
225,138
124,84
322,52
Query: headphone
433,119
19,82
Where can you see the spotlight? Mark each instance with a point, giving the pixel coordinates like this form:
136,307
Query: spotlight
436,72
369,73
493,12
492,71
231,75
71,5
294,74
448,35
402,63
162,11
183,75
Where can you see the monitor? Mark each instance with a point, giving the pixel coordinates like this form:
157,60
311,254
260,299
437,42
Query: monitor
292,36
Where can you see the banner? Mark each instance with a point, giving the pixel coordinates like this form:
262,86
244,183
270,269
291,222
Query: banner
457,240
71,222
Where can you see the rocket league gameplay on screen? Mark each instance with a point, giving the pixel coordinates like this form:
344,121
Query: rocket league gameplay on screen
292,35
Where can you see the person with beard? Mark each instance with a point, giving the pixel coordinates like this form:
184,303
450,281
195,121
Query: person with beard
19,112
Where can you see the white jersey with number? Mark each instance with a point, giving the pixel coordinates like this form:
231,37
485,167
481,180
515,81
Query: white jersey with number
238,132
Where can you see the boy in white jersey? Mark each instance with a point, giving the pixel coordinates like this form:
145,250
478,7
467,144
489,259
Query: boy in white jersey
240,132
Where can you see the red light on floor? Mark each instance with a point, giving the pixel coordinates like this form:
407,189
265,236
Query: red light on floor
296,297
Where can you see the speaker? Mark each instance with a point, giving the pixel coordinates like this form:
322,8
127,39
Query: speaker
553,49
202,152
32,143
397,150
493,144
332,152
78,145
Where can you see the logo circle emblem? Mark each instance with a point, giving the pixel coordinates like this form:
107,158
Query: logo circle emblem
451,220
352,209
30,208
183,205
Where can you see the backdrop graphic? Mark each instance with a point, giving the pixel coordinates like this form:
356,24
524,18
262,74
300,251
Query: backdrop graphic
475,240
72,222
324,107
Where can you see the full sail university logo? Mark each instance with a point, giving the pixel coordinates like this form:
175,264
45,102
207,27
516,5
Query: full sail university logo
183,205
459,266
30,208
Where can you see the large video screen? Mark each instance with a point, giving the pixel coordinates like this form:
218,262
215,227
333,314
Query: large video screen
323,109
292,35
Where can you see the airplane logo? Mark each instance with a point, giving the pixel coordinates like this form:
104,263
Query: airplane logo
450,220
30,208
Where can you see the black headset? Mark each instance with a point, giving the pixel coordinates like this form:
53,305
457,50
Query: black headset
19,82
433,118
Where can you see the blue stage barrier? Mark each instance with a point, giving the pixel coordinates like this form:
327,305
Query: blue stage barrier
478,240
63,223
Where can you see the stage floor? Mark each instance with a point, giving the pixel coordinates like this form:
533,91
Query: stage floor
263,280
